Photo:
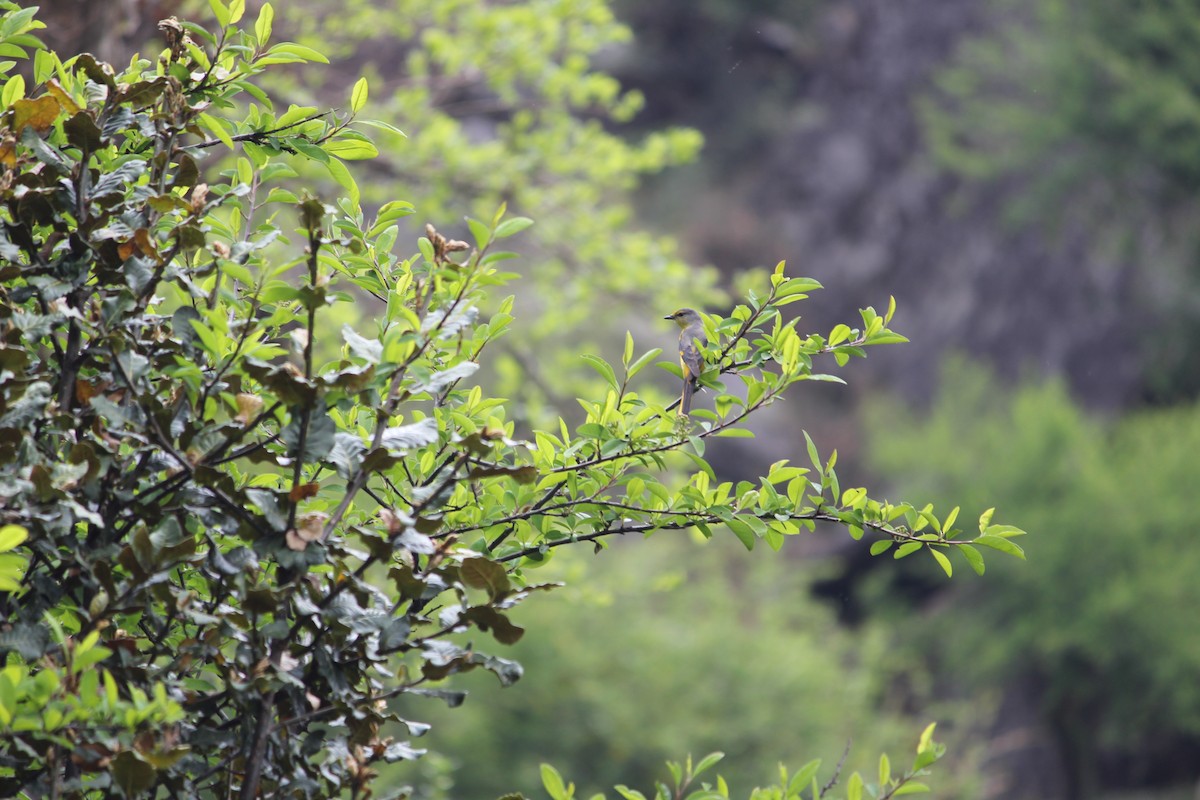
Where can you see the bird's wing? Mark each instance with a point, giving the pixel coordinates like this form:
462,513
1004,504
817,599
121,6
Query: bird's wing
690,356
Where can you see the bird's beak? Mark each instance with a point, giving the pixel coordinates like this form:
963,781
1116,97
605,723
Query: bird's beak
668,317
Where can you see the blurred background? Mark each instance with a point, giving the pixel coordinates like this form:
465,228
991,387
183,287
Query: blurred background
1021,175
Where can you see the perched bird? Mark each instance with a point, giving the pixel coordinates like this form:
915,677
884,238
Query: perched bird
691,359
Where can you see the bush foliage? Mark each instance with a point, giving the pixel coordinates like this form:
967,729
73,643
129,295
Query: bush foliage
232,535
1100,619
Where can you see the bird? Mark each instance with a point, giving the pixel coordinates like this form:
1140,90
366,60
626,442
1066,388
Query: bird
691,359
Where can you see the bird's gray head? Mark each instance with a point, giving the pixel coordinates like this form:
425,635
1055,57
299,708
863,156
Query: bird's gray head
684,317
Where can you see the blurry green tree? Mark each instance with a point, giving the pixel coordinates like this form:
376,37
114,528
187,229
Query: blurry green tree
662,642
1103,617
505,105
204,498
1090,112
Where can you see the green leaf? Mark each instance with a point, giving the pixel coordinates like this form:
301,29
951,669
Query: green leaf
798,286
512,226
401,438
926,740
812,451
370,350
480,232
86,660
852,496
296,51
629,794
11,536
133,775
885,770
882,546
907,549
483,573
388,213
707,762
1004,531
262,26
742,531
220,12
208,338
950,518
601,366
342,175
216,128
887,337
350,149
1001,544
972,556
14,89
376,123
554,783
358,96
912,787
854,787
940,557
643,360
803,776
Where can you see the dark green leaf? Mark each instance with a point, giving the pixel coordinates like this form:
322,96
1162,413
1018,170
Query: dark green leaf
402,438
483,573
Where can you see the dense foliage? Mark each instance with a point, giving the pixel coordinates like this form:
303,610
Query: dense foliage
505,104
671,641
1102,617
232,536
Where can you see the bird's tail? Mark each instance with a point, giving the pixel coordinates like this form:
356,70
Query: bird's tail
685,403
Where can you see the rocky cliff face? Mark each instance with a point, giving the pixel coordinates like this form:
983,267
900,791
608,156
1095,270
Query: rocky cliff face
839,181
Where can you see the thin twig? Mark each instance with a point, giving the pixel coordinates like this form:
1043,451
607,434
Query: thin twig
837,771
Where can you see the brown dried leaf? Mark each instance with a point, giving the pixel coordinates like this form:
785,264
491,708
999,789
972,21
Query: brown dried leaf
145,243
303,491
309,528
391,521
199,195
85,390
248,407
65,100
38,114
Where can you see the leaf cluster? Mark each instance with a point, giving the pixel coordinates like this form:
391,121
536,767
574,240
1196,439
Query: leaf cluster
804,784
513,105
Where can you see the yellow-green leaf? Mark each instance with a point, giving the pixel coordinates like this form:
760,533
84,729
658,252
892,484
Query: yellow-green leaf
217,129
11,536
358,96
262,27
940,557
